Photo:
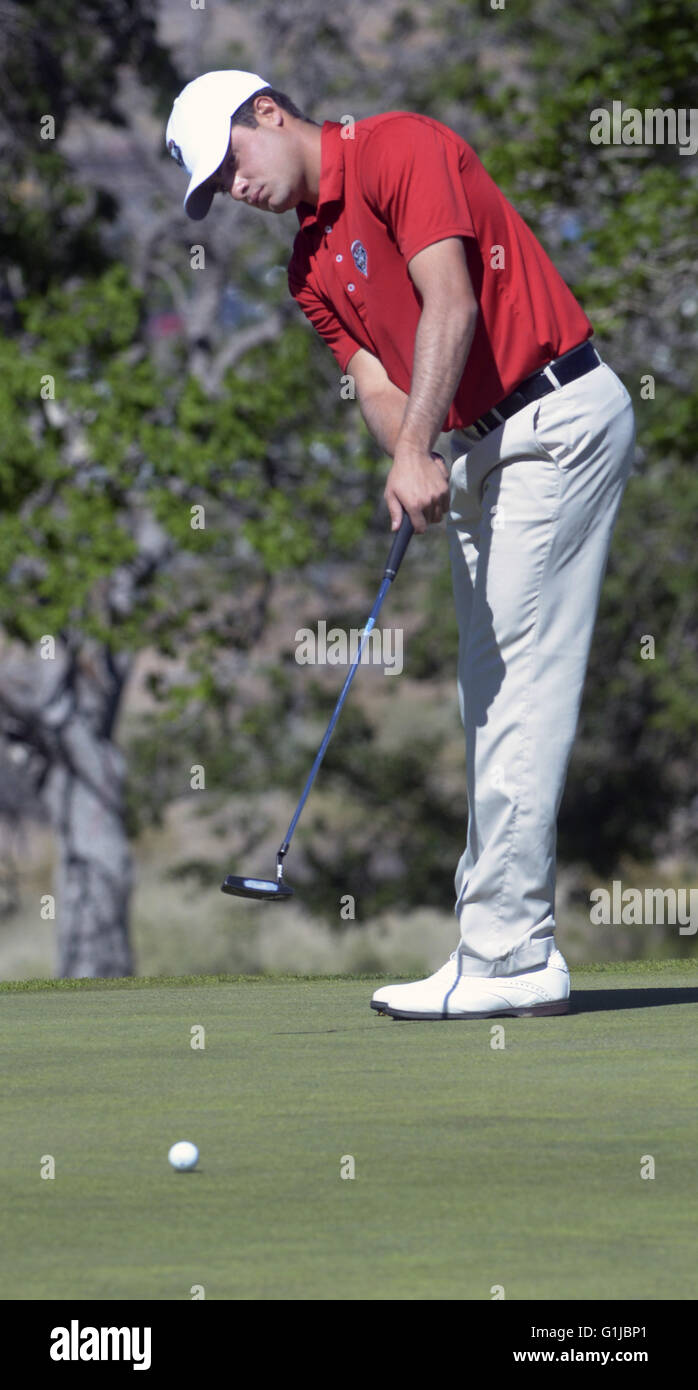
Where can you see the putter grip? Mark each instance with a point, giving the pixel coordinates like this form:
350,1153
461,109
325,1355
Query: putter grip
399,546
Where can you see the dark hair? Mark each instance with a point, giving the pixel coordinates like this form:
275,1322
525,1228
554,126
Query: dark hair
245,114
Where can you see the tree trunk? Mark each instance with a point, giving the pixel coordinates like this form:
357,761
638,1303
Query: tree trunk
63,712
94,868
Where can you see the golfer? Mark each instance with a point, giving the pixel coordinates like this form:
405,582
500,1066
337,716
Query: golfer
434,295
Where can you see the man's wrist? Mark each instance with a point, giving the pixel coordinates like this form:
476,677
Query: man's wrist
409,444
413,443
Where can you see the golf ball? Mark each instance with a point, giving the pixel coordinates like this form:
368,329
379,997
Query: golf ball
183,1156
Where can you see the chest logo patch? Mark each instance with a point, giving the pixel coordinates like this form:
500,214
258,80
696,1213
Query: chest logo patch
360,259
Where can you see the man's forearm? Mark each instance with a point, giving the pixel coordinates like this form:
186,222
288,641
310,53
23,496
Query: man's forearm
441,349
383,412
442,344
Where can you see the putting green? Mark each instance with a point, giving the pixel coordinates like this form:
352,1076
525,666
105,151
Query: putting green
474,1166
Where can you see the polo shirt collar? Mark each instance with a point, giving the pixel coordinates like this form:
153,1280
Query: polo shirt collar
331,187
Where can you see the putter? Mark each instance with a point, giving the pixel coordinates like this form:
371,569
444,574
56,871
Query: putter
270,889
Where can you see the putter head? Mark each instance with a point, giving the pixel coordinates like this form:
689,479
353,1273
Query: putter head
267,889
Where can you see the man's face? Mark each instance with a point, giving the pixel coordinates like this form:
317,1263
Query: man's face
263,166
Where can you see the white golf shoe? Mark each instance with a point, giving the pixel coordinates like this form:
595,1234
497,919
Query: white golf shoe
451,994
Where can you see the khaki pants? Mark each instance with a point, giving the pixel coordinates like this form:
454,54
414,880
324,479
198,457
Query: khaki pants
533,506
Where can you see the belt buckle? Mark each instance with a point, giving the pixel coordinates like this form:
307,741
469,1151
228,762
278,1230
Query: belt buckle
548,372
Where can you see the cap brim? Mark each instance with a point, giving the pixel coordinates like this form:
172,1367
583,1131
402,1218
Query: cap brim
199,197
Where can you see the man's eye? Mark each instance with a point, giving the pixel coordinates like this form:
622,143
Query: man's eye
225,174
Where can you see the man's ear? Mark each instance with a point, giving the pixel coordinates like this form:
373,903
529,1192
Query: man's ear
267,107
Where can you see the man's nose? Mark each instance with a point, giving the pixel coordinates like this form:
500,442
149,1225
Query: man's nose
240,188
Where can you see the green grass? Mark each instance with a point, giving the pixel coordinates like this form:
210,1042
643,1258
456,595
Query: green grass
474,1167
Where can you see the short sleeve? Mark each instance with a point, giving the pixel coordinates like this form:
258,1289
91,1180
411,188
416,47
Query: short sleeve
411,174
324,320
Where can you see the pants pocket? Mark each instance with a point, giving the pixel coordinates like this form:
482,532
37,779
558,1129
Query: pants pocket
582,420
552,430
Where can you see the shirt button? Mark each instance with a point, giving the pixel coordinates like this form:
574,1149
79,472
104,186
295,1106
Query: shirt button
328,229
351,287
339,257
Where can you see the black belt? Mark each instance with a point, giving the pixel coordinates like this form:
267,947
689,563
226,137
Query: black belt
571,365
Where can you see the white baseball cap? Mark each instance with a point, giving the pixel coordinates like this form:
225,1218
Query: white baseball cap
198,131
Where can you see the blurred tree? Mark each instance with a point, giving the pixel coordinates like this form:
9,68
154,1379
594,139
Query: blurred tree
116,502
242,416
54,62
58,59
111,468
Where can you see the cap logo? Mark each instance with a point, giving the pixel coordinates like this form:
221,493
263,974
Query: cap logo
175,152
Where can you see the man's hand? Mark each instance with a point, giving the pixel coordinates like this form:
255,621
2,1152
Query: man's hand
418,484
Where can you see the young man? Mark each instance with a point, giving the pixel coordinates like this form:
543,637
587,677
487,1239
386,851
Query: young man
436,297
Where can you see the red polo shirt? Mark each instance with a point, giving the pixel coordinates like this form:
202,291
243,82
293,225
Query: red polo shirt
402,182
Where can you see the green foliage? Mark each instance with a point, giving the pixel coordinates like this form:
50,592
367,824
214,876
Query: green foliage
120,435
79,327
237,749
399,835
